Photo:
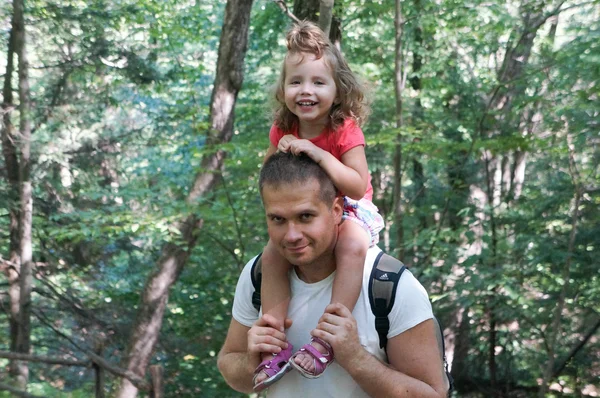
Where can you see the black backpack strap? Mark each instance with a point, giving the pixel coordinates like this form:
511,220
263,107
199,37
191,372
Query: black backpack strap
385,275
256,276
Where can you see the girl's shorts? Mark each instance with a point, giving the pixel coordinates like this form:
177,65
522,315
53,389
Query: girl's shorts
364,213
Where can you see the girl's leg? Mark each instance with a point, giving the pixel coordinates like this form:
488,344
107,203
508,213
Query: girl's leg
274,291
350,253
275,287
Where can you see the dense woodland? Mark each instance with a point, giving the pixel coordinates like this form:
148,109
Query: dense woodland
133,132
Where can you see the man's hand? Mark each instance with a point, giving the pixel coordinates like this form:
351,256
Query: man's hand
338,327
265,336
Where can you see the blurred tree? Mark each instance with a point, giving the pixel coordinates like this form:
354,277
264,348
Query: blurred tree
9,149
228,81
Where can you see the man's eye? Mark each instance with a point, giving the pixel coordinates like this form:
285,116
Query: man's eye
306,217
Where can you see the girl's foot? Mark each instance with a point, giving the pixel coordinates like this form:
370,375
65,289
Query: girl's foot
312,359
306,361
272,368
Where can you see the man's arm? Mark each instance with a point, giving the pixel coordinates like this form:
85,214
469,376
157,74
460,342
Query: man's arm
234,362
415,367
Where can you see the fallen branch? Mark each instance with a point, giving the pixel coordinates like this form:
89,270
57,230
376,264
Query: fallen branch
44,359
18,393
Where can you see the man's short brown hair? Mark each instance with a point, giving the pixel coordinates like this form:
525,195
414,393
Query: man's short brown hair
286,168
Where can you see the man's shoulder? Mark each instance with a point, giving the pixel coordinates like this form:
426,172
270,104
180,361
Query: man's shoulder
372,255
250,268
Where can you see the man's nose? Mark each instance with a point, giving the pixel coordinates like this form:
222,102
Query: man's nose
293,233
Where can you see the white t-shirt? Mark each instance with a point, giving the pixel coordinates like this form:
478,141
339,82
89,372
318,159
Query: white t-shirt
411,307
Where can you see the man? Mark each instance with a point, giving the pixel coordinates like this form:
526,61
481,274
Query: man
303,214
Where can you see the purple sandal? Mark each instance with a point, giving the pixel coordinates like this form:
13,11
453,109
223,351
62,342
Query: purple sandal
320,360
275,368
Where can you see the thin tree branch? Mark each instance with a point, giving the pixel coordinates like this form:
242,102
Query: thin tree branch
537,23
286,10
573,171
226,248
138,382
575,350
238,232
70,302
7,264
58,90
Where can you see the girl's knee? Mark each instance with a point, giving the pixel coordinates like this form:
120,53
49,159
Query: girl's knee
273,261
352,246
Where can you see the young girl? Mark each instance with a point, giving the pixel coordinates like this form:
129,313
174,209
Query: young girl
320,107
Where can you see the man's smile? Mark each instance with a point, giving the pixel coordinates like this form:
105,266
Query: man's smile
296,249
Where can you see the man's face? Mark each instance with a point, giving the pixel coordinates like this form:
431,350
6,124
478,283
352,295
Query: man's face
300,224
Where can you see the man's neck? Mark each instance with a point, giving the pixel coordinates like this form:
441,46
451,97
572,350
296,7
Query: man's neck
316,271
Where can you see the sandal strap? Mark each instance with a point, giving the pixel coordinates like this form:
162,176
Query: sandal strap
316,354
324,344
281,358
320,360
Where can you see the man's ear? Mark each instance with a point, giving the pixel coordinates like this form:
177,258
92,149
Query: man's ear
338,209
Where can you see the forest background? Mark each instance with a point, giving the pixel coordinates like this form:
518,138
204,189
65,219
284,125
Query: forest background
133,132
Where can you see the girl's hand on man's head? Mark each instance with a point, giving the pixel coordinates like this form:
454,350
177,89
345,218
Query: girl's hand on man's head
285,142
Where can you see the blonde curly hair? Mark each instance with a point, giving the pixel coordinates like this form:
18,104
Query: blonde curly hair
306,37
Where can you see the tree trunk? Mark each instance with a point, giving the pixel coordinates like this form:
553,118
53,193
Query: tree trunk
517,178
99,374
228,81
399,81
417,120
26,199
11,162
325,15
307,9
518,174
459,368
491,184
320,12
514,63
554,330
